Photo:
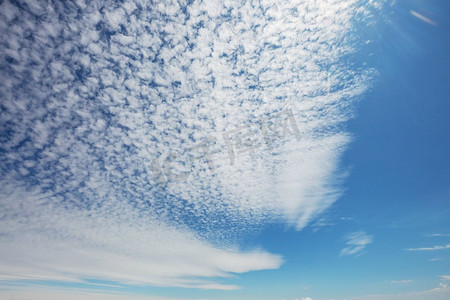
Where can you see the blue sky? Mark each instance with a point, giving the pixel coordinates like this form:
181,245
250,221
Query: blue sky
225,150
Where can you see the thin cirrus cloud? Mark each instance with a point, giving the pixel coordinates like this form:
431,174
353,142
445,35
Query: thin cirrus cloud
96,97
434,248
356,242
404,281
422,17
438,235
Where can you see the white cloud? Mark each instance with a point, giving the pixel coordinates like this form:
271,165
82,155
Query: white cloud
356,242
118,245
43,293
429,248
445,277
93,97
422,17
404,281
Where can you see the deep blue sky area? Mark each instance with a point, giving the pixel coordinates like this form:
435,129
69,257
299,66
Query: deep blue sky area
399,158
399,161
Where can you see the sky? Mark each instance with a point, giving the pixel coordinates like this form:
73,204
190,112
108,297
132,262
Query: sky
225,149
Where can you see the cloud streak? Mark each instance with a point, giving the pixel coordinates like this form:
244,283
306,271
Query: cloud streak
438,235
434,248
356,242
422,17
405,281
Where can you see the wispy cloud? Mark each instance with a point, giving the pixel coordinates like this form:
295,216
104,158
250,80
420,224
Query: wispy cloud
435,259
356,242
405,281
422,17
429,248
438,235
118,245
445,277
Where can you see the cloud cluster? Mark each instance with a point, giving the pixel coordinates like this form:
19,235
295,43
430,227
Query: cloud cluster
96,96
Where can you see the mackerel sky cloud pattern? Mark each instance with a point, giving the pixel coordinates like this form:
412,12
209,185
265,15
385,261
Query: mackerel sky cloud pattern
95,95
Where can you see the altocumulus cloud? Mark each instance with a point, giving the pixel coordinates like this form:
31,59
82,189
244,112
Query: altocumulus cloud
96,95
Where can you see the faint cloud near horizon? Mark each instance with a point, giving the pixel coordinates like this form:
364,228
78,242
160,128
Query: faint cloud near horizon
405,281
